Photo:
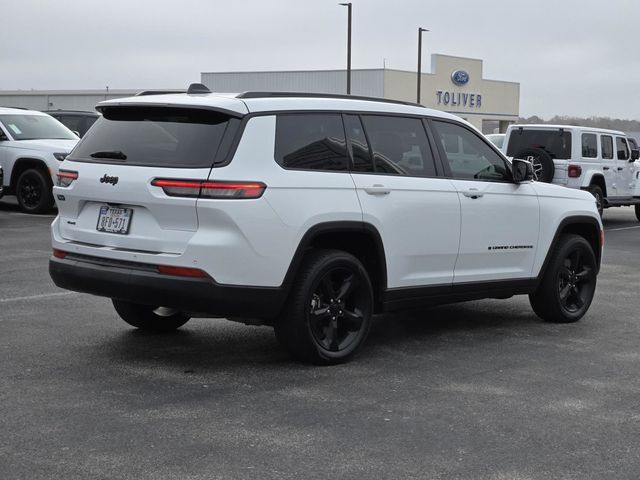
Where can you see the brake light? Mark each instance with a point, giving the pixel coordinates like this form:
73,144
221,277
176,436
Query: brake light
181,271
66,177
210,189
59,253
574,171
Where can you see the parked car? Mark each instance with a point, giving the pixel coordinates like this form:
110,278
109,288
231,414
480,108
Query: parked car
310,213
496,138
76,121
593,159
32,145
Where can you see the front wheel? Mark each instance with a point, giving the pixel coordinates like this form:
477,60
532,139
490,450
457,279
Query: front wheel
328,315
33,191
150,317
569,282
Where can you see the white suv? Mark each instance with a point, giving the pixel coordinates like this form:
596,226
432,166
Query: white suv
593,159
32,145
310,213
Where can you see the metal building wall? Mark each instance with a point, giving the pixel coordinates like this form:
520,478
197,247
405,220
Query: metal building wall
59,100
363,82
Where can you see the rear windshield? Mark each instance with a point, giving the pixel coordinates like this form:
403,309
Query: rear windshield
557,143
35,127
154,136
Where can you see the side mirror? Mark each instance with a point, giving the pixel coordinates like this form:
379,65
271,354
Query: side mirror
522,170
76,132
635,154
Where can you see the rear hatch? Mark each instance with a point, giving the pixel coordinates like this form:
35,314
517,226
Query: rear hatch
556,142
112,202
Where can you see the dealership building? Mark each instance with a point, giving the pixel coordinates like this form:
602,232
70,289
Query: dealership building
453,84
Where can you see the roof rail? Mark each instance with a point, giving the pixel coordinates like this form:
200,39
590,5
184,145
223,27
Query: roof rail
323,95
17,108
145,93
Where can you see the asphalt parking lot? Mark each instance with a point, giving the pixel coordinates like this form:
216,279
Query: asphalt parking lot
481,390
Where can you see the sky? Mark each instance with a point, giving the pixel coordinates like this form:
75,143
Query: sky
577,58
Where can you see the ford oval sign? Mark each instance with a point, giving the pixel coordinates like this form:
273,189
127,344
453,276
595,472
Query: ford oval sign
460,77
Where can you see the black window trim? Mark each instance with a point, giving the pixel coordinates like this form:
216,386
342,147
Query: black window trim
443,154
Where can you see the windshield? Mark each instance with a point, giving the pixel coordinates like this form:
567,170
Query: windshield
154,136
35,127
556,143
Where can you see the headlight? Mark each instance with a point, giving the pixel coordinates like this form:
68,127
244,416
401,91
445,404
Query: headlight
60,156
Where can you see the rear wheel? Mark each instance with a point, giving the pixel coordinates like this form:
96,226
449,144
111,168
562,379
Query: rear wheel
638,212
596,191
568,284
328,315
150,317
33,191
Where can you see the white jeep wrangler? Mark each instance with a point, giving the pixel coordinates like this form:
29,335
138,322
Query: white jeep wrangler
593,159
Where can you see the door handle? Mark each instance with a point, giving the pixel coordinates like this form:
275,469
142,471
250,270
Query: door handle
620,168
605,168
377,189
473,193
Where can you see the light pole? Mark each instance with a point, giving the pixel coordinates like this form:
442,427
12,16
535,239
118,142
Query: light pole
420,30
348,5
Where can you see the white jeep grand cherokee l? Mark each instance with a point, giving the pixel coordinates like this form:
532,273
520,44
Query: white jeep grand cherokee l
310,213
32,145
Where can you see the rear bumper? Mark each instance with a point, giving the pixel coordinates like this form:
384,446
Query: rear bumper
140,283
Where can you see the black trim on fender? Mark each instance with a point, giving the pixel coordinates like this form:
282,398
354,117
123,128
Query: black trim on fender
335,227
573,220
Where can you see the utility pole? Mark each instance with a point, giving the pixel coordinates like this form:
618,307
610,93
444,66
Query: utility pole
420,30
349,7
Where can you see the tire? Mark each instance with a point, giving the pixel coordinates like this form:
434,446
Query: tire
328,314
569,282
543,166
33,191
149,317
637,207
596,191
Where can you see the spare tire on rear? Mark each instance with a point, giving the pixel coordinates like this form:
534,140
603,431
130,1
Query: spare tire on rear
543,167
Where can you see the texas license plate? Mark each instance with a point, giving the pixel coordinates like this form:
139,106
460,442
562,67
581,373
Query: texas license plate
114,220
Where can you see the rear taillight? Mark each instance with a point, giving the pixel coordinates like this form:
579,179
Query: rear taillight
59,253
210,189
66,177
602,238
574,171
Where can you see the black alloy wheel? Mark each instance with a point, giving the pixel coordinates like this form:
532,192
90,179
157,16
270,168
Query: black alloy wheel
569,283
328,315
33,191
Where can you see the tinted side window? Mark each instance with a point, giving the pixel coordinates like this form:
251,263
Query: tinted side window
358,145
311,142
622,148
400,146
589,145
468,155
607,147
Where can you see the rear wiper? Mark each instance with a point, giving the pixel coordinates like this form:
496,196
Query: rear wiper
115,154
